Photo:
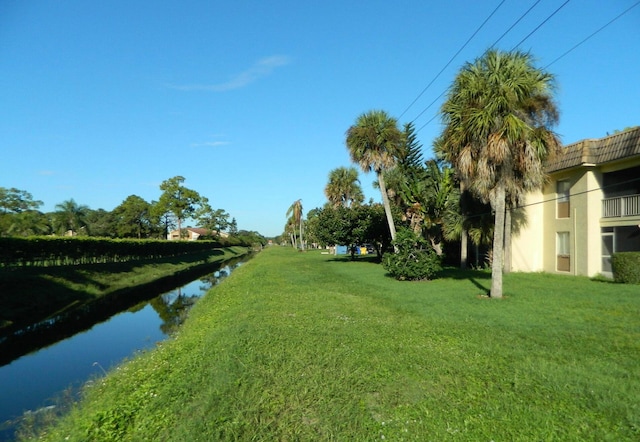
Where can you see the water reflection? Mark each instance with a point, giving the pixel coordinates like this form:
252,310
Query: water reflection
39,363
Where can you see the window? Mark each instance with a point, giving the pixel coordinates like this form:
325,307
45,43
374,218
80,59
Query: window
563,252
563,207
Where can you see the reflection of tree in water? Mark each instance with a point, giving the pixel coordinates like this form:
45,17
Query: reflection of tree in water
174,306
172,309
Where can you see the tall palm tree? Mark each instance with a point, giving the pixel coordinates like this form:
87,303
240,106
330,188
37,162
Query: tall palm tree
344,188
497,117
71,216
295,211
374,143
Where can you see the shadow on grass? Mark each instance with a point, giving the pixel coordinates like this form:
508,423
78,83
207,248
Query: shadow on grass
480,278
358,258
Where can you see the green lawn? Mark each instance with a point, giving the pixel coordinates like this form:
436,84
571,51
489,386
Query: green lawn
301,346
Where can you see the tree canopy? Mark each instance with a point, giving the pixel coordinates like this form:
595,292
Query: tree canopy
497,117
374,143
178,200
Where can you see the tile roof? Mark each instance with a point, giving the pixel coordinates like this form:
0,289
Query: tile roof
599,151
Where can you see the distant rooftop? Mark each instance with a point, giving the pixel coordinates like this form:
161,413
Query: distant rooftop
598,151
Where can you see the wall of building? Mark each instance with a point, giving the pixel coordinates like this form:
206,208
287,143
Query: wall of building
526,253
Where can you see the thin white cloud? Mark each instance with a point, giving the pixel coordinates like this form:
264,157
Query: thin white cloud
260,69
211,144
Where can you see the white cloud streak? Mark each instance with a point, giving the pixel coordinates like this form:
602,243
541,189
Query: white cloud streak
260,69
211,144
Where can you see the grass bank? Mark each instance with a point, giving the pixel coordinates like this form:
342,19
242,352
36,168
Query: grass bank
300,346
33,294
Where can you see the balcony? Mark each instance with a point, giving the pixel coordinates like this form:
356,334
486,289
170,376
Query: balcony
621,206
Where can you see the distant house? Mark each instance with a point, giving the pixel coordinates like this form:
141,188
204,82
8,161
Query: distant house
589,209
193,233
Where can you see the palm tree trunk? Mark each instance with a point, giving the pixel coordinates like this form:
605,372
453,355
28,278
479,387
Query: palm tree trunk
463,248
463,234
507,241
301,240
498,243
387,206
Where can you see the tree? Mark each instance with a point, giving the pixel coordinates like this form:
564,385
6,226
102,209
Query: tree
233,227
178,200
100,223
16,209
311,227
497,135
294,213
426,197
70,216
25,223
134,218
352,226
15,201
344,188
213,220
374,143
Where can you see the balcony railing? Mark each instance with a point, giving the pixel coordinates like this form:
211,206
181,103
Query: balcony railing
621,206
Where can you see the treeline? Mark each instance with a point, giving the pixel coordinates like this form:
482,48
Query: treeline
53,251
133,218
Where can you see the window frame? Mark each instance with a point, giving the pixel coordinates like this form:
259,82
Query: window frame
563,199
563,251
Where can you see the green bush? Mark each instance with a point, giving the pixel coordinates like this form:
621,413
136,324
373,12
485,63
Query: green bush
626,267
414,260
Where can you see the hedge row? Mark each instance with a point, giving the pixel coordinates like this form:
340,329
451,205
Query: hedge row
48,251
626,267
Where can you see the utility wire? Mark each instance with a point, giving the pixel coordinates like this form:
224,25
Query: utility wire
531,33
540,25
494,43
594,33
452,58
513,25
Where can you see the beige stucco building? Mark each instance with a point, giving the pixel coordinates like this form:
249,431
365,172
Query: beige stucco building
589,209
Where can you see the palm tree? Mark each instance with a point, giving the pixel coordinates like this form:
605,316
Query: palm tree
295,211
71,216
497,136
374,143
344,188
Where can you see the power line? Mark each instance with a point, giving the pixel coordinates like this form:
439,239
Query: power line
514,24
494,43
540,25
452,58
524,39
594,33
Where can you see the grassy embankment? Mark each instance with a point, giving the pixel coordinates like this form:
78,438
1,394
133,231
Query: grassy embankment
300,346
33,294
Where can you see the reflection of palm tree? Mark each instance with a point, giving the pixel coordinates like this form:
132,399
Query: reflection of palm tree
70,216
497,118
374,143
343,188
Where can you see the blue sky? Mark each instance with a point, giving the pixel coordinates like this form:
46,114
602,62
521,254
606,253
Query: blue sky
250,100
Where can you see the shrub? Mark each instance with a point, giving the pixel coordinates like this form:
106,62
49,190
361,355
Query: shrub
414,260
626,267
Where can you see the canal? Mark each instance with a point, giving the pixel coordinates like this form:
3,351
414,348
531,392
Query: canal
51,376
